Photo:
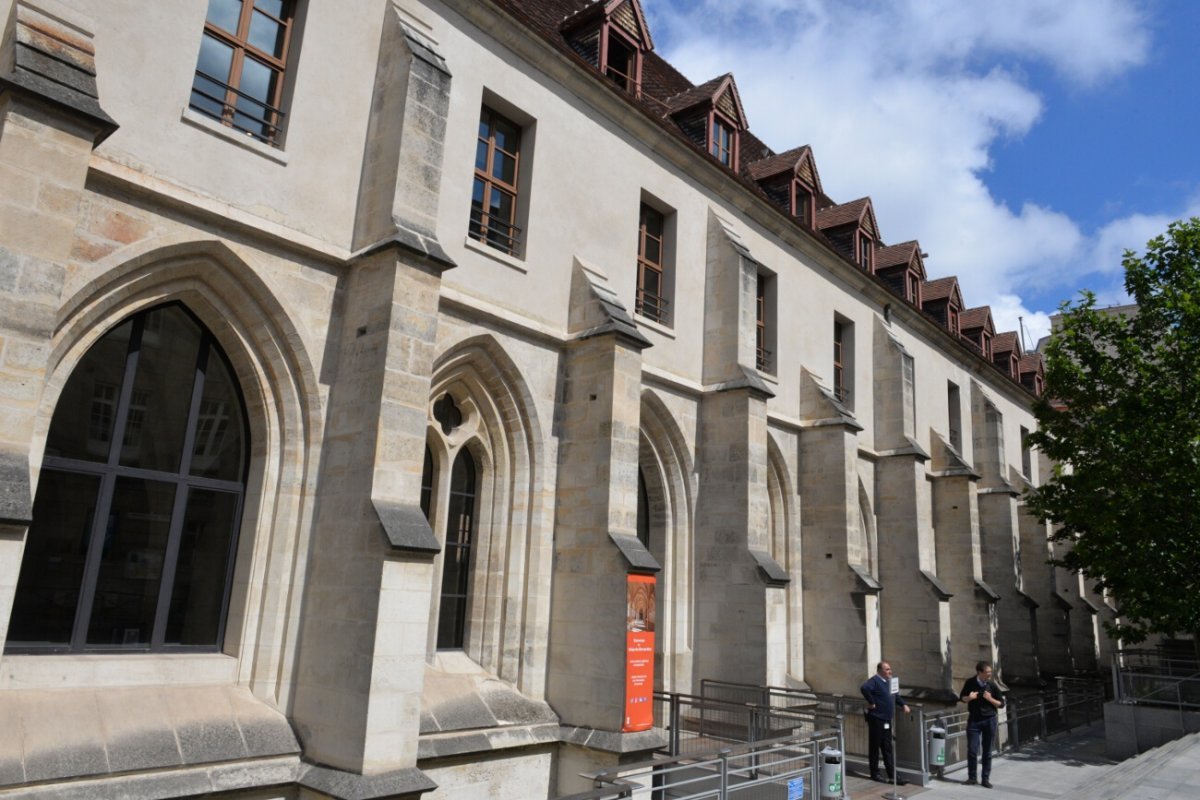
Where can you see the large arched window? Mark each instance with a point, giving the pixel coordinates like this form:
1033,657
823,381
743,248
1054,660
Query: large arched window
139,497
456,556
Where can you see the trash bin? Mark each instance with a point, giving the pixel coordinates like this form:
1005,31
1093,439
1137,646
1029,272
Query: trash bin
937,746
831,773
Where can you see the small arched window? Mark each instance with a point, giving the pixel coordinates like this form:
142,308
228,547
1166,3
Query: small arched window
136,515
456,555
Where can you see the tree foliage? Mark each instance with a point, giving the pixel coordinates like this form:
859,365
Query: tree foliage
1121,419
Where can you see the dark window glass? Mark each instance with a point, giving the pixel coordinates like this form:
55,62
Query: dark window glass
427,483
643,511
131,562
132,536
456,555
52,566
202,567
166,373
82,425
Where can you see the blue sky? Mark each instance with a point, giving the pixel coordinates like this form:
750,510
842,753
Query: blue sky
1025,143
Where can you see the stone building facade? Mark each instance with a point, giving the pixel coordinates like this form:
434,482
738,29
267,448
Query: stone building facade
353,355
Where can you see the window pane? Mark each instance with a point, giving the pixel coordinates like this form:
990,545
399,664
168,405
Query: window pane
135,540
204,553
481,151
272,7
55,551
258,82
266,34
83,419
505,133
652,282
215,58
224,14
162,391
653,250
504,167
500,206
218,450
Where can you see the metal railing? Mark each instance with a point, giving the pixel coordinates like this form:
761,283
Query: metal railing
653,306
1147,677
1072,704
265,124
910,729
755,771
719,748
497,233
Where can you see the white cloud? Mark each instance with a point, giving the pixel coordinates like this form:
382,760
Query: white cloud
903,101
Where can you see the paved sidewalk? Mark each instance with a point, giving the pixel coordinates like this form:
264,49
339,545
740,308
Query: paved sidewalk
1071,767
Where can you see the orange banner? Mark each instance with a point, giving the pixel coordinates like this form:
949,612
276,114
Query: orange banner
639,654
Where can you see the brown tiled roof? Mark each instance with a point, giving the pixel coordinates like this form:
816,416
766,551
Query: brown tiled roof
665,90
940,289
1006,342
979,317
896,255
844,214
777,164
1031,362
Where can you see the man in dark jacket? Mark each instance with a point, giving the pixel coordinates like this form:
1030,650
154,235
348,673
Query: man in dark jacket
881,709
983,698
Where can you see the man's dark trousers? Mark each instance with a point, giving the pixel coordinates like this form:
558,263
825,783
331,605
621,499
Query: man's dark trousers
980,733
879,737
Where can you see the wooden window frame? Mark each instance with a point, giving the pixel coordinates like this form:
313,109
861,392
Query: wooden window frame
866,255
840,391
485,229
914,288
239,42
804,212
633,81
762,326
653,306
718,122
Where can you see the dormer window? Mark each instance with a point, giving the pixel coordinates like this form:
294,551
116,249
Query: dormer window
622,61
802,203
952,319
865,249
722,142
986,341
914,289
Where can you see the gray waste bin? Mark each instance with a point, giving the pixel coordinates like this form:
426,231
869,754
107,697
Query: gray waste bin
831,773
937,746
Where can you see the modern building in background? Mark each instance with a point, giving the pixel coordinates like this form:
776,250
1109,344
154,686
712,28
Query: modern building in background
369,370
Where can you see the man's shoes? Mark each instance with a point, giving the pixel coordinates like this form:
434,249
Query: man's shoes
879,778
970,782
901,782
986,784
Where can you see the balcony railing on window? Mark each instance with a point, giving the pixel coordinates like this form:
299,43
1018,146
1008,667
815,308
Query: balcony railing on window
762,359
653,307
247,114
494,232
627,82
842,394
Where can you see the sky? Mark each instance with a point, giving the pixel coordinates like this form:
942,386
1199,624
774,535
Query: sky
1026,143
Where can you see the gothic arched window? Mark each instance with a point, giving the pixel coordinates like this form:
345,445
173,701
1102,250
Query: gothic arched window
136,515
456,555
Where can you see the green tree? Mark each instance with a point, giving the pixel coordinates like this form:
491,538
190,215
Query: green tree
1121,419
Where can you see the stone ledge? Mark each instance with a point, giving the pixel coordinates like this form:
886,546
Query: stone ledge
188,782
442,745
400,784
636,555
611,741
85,733
406,528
